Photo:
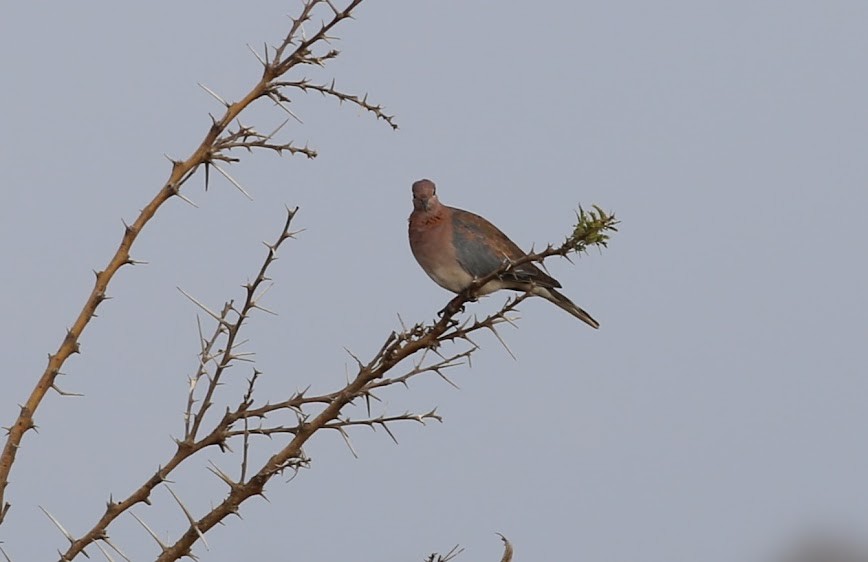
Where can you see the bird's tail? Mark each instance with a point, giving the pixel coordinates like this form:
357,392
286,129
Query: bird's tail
562,301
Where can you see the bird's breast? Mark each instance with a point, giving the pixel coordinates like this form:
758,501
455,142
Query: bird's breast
433,249
454,279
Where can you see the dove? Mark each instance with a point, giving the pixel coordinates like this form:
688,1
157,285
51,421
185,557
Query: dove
456,247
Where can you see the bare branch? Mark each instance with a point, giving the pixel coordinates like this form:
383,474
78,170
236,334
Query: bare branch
193,419
451,555
241,420
331,91
507,549
293,51
249,138
415,341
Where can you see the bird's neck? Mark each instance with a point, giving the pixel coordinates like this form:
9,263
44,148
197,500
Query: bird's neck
428,219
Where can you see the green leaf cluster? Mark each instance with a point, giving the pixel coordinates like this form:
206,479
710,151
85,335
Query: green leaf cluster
593,228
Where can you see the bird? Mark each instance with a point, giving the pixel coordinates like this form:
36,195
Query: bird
457,247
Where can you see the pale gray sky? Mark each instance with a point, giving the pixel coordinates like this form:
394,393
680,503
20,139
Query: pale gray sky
719,412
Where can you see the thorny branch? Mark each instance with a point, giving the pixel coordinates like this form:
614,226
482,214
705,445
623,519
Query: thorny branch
329,90
212,365
455,551
297,49
220,349
314,412
371,378
448,557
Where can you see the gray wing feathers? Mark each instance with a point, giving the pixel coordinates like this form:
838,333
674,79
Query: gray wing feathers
482,248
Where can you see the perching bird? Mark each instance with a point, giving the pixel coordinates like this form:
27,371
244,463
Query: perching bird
455,247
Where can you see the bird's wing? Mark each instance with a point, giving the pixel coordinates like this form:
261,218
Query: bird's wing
482,248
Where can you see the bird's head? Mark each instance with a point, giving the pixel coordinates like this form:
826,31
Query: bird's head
424,195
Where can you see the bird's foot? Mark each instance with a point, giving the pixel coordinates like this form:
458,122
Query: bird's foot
469,295
447,308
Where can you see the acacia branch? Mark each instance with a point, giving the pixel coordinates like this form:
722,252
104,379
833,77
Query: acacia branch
313,413
292,52
191,444
421,341
456,550
591,230
330,90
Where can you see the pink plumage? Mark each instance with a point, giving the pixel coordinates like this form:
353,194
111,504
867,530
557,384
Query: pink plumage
454,247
